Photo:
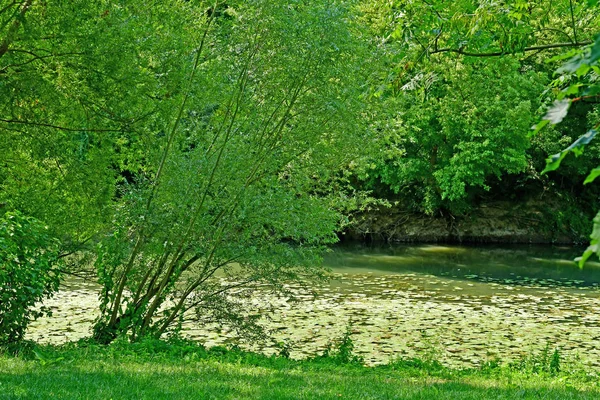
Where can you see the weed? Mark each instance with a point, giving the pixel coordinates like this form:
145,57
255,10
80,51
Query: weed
342,352
490,366
284,348
546,362
45,360
429,365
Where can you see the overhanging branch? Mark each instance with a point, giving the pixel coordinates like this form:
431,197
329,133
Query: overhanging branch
503,53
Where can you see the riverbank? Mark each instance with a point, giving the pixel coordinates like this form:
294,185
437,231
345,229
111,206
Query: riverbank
159,370
532,221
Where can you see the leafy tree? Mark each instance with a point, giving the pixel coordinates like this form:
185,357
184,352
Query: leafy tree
82,90
28,273
454,129
240,188
481,29
459,85
190,140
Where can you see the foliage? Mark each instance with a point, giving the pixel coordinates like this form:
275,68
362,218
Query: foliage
546,362
342,352
239,195
70,130
455,129
579,78
480,29
554,138
189,143
458,84
29,272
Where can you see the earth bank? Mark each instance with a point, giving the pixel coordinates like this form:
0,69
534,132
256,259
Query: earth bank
534,221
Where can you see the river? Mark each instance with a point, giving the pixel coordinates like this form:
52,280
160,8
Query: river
461,305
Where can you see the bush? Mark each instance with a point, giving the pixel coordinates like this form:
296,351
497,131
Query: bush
28,273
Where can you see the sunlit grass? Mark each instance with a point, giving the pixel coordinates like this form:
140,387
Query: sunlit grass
156,370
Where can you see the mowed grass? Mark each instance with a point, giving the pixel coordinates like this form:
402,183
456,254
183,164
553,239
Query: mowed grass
159,370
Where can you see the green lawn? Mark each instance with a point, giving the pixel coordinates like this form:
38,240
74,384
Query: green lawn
156,370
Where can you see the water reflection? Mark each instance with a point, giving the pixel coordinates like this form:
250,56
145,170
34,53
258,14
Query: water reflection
521,265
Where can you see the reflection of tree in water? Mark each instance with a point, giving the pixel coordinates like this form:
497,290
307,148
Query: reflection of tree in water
549,266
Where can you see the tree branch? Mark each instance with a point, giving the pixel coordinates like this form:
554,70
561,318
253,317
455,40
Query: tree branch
503,53
34,57
12,31
573,20
62,128
7,7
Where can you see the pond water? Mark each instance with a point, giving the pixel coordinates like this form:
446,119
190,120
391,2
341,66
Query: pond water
461,305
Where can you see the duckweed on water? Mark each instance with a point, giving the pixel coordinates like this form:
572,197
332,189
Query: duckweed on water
467,321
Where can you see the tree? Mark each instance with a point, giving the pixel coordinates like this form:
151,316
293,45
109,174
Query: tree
239,189
454,129
81,91
578,79
189,141
481,29
69,129
459,85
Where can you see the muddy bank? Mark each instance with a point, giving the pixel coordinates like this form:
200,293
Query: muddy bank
529,222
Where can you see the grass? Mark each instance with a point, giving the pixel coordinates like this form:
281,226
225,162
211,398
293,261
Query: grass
182,370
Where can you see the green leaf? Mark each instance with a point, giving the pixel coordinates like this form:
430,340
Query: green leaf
592,249
553,162
539,126
593,175
592,90
563,56
581,62
572,65
572,89
558,111
594,51
583,70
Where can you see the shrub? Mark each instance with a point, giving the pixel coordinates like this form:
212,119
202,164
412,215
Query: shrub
28,273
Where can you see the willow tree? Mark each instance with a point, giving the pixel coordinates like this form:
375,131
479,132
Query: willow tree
239,196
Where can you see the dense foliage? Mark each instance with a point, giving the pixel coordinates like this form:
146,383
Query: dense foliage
578,80
198,150
264,117
28,273
194,147
455,128
459,88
